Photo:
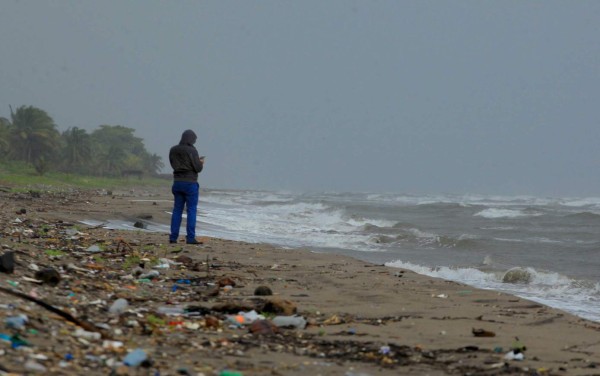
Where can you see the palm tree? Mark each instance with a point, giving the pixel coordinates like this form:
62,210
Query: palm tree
153,163
33,134
4,132
78,148
111,161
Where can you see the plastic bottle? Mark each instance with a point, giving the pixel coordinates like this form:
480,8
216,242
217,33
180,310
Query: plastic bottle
250,317
165,310
150,275
119,306
297,322
135,358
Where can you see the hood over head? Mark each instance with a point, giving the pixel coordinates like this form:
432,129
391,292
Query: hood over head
188,138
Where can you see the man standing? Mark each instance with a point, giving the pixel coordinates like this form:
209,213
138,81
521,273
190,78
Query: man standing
186,166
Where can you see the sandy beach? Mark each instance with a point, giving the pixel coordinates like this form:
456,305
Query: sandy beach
362,319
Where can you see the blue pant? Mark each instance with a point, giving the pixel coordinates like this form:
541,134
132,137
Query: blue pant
186,194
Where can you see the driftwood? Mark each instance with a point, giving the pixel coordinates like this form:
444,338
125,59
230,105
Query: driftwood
67,316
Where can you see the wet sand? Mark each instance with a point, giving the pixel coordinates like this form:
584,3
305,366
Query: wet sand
363,319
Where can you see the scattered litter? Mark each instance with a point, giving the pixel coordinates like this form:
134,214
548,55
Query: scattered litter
514,355
94,249
135,358
297,322
119,306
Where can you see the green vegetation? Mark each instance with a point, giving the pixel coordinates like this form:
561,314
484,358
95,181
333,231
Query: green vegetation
30,143
18,173
131,261
155,321
54,253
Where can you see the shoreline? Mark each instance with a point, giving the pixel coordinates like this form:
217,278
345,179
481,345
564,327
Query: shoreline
490,279
363,318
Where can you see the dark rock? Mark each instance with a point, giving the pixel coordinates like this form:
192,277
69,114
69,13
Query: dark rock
226,281
7,262
517,275
49,276
139,224
280,307
263,327
197,309
211,322
263,291
482,333
185,260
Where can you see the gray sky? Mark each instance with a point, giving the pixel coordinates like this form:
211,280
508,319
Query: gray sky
495,97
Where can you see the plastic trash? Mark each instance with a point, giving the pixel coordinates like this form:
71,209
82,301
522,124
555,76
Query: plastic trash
15,341
297,322
87,335
34,267
119,306
243,318
16,322
164,264
235,320
94,249
150,275
230,373
135,358
71,232
514,355
34,366
384,350
165,310
251,316
107,344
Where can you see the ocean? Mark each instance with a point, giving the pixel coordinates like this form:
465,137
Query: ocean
554,243
543,249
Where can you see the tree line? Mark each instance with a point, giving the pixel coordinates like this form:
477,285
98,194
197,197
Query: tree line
31,136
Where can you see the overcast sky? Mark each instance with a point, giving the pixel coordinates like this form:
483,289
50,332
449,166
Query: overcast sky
492,97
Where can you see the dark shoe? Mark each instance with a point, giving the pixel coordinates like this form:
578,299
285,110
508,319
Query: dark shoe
172,241
193,241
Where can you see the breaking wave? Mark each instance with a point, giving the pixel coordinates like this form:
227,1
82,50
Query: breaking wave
495,213
576,296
